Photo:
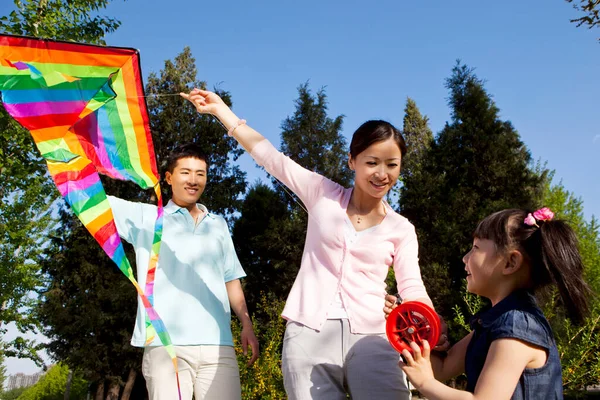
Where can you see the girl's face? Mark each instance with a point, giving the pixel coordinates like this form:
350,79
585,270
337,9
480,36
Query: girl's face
377,168
484,267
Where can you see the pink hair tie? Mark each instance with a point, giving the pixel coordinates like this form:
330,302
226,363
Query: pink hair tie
543,214
235,126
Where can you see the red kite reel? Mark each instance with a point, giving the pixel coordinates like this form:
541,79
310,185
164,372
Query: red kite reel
412,321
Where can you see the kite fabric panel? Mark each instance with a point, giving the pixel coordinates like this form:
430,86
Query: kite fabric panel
84,105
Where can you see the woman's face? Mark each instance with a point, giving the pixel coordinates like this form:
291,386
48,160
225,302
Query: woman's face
377,168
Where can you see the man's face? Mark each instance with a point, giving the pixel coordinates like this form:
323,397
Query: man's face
187,181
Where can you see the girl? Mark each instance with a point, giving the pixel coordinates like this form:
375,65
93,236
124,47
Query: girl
334,342
511,353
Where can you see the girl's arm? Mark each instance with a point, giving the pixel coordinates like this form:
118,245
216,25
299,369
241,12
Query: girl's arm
505,362
454,363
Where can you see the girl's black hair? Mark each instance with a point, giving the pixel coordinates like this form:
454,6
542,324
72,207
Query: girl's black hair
551,248
372,132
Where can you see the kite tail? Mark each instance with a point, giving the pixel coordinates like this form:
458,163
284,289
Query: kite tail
159,327
153,262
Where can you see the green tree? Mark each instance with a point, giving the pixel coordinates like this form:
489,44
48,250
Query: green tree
52,385
13,394
73,20
476,165
27,194
174,121
312,139
579,345
262,212
418,137
2,370
569,207
88,309
591,9
270,232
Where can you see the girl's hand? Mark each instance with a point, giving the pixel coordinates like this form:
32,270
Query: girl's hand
205,102
417,366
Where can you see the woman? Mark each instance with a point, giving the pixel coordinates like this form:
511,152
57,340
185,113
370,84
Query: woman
335,341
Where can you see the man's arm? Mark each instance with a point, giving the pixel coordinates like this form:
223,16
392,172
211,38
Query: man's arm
238,305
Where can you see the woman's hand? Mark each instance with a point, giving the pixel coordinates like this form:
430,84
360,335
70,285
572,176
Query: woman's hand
391,302
205,102
443,343
417,365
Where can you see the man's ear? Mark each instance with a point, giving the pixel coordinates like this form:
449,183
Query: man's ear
514,262
350,162
168,177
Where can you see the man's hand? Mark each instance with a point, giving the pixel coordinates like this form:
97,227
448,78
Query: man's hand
249,339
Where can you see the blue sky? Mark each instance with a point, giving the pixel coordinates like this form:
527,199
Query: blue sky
542,71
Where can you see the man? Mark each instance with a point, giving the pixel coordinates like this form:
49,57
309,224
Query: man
196,283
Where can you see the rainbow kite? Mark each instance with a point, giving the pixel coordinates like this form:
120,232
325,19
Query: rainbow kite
85,108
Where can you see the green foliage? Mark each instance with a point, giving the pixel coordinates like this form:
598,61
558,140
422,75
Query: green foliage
89,307
418,137
263,380
592,10
174,121
473,304
12,394
579,345
568,207
476,165
270,233
579,350
314,140
262,254
73,20
27,193
52,386
2,370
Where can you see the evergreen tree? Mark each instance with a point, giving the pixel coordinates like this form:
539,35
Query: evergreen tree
313,139
418,137
27,193
174,121
264,261
88,309
271,230
476,165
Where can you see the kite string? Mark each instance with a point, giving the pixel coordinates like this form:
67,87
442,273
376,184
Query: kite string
293,196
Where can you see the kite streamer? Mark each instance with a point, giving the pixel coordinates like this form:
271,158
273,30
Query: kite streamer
85,107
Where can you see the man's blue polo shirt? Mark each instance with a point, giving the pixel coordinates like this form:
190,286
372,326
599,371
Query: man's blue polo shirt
194,263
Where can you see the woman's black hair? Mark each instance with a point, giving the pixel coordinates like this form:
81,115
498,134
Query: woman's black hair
374,131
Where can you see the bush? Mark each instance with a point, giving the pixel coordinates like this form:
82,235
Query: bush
263,380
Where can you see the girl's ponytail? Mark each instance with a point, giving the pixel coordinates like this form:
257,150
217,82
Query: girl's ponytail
551,248
561,261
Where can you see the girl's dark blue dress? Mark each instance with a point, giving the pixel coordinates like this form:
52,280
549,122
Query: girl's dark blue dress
518,317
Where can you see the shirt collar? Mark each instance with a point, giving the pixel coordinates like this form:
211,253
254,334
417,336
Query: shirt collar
172,208
519,299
